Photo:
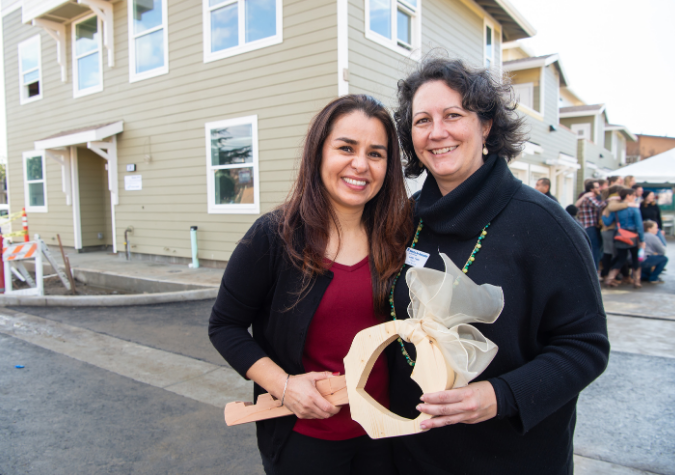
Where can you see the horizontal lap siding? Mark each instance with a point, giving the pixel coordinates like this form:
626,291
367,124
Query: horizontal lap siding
553,142
446,24
450,25
285,85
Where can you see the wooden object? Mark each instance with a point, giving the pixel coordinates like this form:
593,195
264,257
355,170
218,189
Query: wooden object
333,388
66,263
431,373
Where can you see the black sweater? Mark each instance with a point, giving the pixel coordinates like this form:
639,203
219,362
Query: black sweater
552,333
652,212
258,288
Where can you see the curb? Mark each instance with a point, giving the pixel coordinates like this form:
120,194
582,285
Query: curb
107,300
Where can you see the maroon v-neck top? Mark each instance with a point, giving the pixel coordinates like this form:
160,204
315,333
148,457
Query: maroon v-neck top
345,310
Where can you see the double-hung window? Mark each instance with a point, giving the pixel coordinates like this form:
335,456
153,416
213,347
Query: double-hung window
237,26
35,186
232,166
87,57
148,43
489,44
394,24
30,70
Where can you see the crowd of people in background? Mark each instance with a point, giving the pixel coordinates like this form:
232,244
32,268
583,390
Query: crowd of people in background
620,207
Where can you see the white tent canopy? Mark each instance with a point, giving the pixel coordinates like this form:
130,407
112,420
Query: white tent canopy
657,169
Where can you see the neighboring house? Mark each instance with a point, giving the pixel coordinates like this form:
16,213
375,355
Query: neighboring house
601,146
156,115
550,151
647,146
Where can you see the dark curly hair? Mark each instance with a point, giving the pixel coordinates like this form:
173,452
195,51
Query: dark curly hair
482,93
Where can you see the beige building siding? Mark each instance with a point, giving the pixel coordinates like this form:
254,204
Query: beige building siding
553,142
285,85
93,190
570,121
373,69
447,24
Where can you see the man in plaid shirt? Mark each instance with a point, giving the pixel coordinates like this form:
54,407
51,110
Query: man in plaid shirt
590,205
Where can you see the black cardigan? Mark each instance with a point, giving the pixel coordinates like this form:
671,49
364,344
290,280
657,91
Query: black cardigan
652,212
552,333
258,288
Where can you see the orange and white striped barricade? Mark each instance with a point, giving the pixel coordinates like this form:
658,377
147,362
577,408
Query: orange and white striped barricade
12,256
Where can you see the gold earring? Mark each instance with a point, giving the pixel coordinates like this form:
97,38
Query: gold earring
485,150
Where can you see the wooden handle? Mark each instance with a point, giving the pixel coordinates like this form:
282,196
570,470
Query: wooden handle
333,389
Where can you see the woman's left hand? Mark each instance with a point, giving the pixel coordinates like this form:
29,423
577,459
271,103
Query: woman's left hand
469,405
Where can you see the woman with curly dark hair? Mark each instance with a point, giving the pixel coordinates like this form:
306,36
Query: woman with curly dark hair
459,124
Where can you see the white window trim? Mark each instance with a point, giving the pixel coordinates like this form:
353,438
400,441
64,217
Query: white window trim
84,92
133,76
23,99
253,208
243,47
486,23
392,44
27,155
529,86
575,128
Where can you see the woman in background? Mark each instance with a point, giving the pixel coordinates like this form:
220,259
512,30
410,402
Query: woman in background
649,210
630,220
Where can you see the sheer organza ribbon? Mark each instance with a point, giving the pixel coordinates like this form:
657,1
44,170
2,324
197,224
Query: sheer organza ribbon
443,305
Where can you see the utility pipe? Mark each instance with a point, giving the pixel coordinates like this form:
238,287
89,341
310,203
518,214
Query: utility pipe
193,240
130,229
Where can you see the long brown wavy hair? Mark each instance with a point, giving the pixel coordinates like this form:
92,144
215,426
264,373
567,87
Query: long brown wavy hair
307,215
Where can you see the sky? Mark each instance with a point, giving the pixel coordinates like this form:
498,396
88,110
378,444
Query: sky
617,52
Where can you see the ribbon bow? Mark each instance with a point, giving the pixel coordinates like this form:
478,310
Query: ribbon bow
443,305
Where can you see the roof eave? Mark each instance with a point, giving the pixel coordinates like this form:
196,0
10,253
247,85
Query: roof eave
528,30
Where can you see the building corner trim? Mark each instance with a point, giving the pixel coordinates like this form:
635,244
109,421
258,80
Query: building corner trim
343,47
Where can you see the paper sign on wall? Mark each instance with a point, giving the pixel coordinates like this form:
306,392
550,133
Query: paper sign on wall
133,182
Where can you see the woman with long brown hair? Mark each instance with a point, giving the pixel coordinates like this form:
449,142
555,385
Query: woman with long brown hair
309,276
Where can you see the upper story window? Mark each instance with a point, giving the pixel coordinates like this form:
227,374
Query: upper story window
583,131
237,26
489,44
30,70
148,44
87,57
394,24
524,94
232,166
35,188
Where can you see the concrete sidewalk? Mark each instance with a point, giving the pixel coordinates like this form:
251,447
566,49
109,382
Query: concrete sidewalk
102,261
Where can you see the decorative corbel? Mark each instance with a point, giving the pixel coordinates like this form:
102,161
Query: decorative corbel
58,32
104,11
108,150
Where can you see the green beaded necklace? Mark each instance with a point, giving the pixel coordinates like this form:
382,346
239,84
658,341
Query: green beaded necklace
465,269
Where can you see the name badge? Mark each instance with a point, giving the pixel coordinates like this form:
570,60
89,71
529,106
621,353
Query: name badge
415,258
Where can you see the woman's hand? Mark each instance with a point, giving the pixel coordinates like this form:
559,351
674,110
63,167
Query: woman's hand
301,395
304,400
643,245
469,405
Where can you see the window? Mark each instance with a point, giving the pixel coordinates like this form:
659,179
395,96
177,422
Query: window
489,43
394,24
35,187
237,26
87,57
524,94
148,44
232,164
583,131
30,70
